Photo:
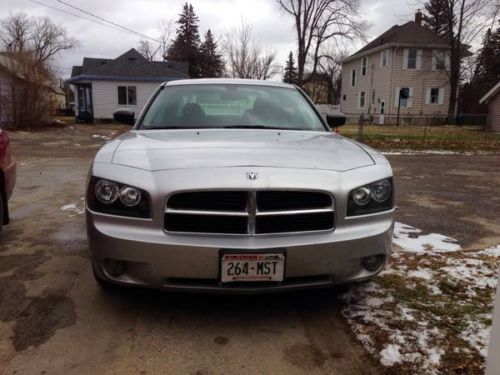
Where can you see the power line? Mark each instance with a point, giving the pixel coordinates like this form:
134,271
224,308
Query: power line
108,21
109,24
76,15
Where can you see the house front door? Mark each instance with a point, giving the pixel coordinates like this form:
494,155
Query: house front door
85,107
381,117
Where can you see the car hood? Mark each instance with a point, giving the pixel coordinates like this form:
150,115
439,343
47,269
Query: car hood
156,150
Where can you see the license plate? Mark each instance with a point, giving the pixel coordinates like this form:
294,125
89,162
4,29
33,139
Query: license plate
252,267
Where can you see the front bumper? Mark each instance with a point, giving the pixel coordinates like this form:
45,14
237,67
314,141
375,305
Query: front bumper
184,262
155,259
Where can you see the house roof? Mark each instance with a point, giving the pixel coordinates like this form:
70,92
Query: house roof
129,66
13,64
411,33
490,94
9,64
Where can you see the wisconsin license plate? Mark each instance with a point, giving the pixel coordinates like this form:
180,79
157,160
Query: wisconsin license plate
252,267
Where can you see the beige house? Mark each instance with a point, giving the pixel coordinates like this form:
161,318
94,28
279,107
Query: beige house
492,98
409,57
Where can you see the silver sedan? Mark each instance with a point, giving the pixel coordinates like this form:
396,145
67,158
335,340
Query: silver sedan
236,186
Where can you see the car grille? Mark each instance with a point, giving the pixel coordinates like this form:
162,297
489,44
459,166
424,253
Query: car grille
249,212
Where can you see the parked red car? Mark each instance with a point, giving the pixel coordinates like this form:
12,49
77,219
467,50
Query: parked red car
7,176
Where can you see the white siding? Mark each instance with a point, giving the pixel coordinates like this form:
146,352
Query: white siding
386,81
105,97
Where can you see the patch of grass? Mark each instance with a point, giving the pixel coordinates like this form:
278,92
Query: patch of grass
447,138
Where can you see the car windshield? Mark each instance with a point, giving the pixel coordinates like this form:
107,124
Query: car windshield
230,106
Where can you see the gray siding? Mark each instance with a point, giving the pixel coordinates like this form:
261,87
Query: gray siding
494,113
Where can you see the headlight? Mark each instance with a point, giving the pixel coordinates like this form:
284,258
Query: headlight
381,190
130,196
361,196
375,197
114,198
106,191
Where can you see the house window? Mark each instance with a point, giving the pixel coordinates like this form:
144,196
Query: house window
344,98
411,59
439,60
362,100
353,77
127,95
384,56
364,63
405,102
434,95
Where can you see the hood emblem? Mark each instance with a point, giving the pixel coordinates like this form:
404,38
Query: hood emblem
252,176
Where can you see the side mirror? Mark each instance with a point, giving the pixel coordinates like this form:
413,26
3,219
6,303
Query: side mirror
124,116
334,121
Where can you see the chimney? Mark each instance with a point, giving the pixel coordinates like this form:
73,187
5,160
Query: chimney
418,17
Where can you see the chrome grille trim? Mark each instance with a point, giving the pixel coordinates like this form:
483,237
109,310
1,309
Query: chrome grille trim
208,212
251,210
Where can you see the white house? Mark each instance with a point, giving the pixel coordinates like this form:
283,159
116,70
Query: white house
103,86
409,57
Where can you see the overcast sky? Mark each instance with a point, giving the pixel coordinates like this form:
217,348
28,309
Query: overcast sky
271,27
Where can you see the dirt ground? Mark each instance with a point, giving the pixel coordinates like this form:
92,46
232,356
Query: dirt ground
54,319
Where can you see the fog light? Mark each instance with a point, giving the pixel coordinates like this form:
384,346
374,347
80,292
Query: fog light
373,263
115,267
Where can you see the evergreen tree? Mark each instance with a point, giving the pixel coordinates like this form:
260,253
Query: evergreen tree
290,75
487,70
486,74
437,17
211,64
186,45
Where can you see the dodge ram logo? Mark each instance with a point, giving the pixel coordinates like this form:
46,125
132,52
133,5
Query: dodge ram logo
252,175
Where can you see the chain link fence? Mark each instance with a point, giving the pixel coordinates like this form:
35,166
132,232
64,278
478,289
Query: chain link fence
461,132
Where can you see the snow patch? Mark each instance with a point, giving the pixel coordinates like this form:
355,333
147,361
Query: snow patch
403,329
390,355
494,251
410,239
427,152
103,137
421,273
478,336
75,208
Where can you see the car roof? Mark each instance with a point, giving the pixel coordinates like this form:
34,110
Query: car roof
227,81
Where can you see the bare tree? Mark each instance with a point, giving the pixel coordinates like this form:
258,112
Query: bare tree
464,22
39,37
329,66
31,44
472,18
156,51
245,58
317,21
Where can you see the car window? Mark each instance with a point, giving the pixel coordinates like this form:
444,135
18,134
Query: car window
219,106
